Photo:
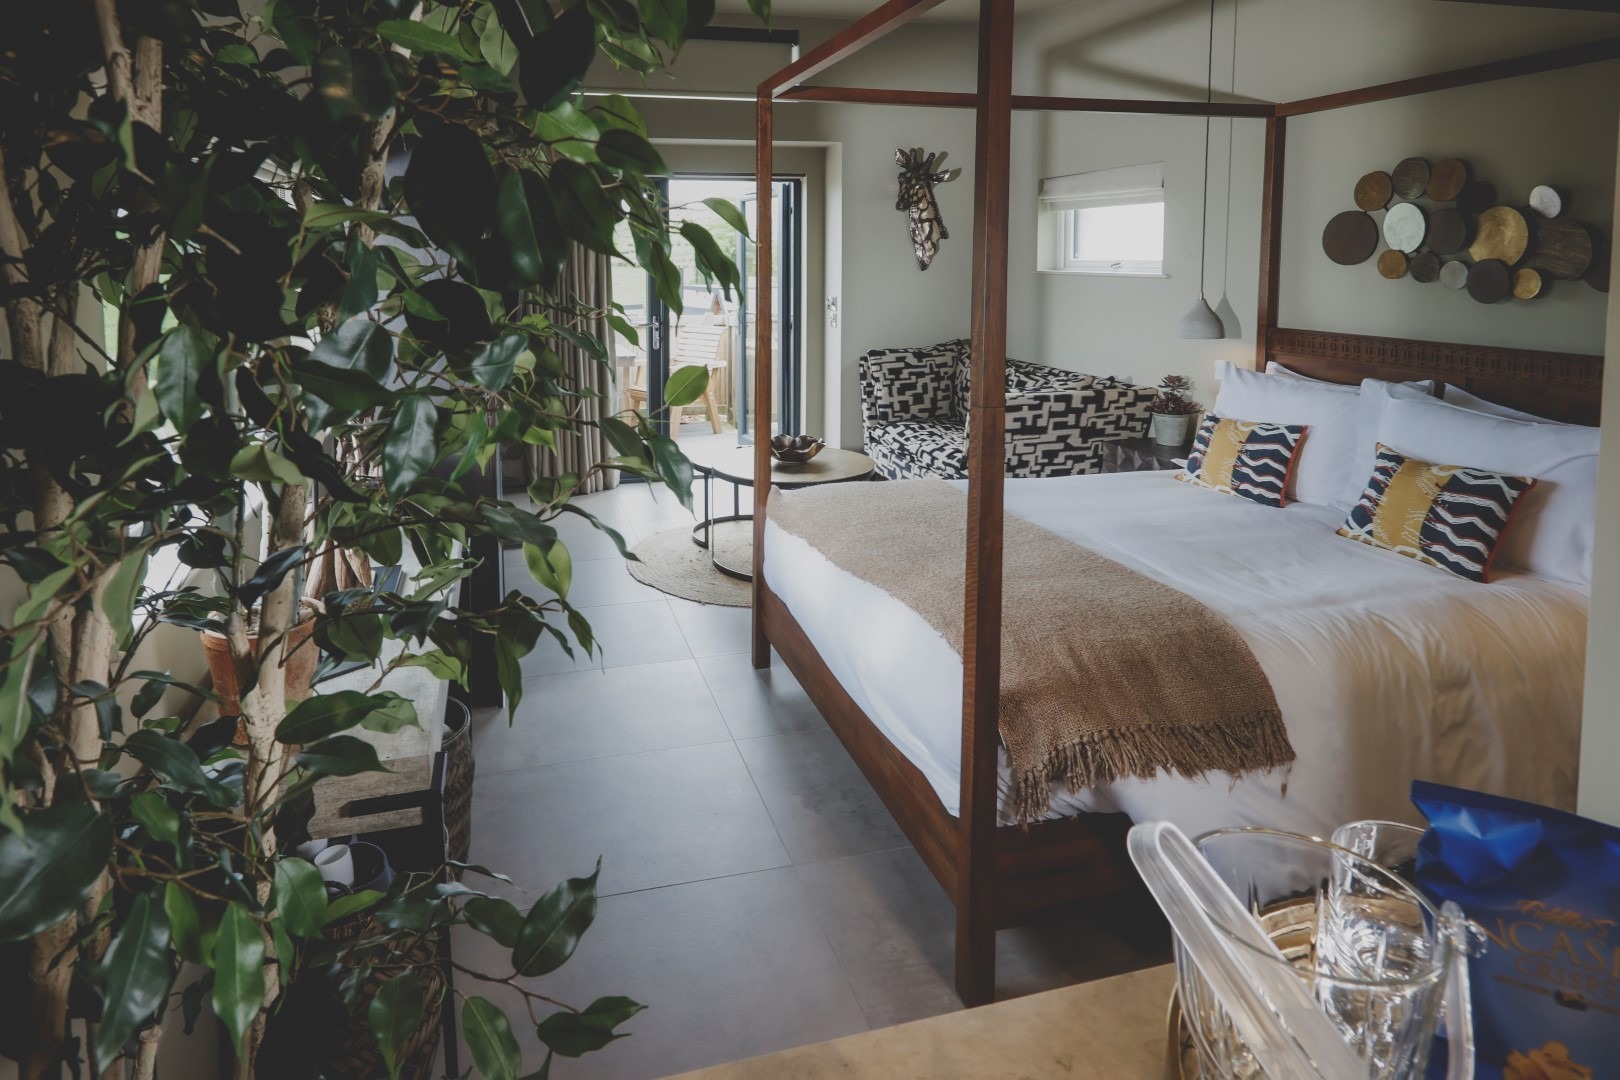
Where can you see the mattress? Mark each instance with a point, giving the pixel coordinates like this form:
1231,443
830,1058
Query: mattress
1385,670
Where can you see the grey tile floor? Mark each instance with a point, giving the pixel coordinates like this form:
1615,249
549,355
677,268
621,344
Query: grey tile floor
755,894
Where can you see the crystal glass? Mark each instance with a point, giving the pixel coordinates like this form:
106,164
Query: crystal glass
1371,950
1387,843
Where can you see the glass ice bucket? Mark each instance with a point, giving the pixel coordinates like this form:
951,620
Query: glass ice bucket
1373,954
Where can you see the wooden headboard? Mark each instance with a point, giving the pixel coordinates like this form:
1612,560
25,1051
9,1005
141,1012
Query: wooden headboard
1558,386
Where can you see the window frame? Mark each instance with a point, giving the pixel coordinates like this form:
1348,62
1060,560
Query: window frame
1067,218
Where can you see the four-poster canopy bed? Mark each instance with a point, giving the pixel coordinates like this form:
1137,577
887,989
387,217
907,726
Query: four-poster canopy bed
1001,876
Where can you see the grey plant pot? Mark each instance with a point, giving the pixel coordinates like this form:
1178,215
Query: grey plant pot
1170,430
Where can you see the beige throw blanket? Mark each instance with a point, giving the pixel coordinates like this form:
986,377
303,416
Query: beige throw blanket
1105,673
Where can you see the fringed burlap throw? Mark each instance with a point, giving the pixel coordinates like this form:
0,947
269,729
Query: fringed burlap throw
1105,673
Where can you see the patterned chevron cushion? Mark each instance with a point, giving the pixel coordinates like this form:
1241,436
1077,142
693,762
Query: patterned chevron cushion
1448,516
907,384
1244,458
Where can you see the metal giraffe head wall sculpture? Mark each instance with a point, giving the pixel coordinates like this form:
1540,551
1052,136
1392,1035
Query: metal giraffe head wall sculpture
917,181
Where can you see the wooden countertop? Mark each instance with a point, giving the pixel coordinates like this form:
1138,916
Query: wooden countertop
1107,1028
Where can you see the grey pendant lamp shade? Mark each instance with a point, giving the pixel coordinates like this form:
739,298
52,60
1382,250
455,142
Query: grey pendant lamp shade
1201,322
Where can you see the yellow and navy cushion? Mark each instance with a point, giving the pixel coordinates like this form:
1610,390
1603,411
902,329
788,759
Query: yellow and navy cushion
1243,457
1448,516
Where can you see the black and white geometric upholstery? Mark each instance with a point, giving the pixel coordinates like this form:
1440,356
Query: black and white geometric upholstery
1057,420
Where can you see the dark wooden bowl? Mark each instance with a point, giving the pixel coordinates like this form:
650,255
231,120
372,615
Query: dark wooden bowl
795,449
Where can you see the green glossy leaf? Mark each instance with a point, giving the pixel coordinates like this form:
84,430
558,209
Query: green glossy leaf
356,83
186,352
713,263
270,574
616,110
497,47
17,674
133,975
573,1034
686,385
587,213
440,664
555,61
490,1040
394,714
49,867
515,237
493,365
421,39
629,152
450,187
729,213
361,347
356,635
322,715
674,469
553,927
344,906
552,567
118,600
261,464
238,971
570,131
410,449
665,19
177,766
161,820
192,940
325,215
394,1014
495,917
654,258
341,755
300,896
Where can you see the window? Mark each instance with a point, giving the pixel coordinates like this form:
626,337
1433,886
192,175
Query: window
1105,222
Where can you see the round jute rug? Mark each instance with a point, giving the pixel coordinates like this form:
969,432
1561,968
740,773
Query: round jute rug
671,563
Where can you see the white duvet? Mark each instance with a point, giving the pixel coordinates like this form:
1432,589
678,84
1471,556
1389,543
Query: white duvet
1386,670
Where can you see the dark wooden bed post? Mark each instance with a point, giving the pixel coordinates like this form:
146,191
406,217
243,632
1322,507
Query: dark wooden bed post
1271,202
981,683
764,367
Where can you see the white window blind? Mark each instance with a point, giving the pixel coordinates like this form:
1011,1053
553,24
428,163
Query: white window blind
1105,187
1110,221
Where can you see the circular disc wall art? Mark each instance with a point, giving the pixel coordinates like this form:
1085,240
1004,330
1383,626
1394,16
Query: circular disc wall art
1350,237
1392,264
1490,281
1447,178
1425,267
1527,284
1501,233
1405,226
1563,249
1454,275
1476,197
1373,191
1448,231
1546,201
1411,178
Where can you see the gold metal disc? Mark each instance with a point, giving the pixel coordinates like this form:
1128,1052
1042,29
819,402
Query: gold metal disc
1501,233
1392,264
1373,191
1526,284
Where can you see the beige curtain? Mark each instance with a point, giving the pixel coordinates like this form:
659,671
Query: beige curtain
588,277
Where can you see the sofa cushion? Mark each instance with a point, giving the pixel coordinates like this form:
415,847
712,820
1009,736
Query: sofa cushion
900,385
918,449
1021,375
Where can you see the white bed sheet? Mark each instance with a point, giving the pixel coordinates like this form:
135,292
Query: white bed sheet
1386,670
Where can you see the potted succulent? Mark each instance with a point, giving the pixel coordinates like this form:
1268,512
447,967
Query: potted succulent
1172,410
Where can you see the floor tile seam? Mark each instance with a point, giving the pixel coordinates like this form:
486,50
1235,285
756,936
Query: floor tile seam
838,954
620,667
495,771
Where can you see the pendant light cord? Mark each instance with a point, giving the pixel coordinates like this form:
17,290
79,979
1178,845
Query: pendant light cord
1209,96
1231,126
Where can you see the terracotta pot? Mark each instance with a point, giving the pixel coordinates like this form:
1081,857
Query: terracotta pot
299,667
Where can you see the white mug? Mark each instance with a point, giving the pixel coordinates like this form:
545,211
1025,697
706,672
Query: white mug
311,848
336,864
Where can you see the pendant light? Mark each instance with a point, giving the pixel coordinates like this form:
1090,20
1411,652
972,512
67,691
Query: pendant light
1224,310
1201,322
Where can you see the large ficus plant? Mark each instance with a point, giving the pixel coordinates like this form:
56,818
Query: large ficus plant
329,237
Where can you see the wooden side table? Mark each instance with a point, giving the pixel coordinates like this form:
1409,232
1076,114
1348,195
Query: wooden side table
735,466
1140,455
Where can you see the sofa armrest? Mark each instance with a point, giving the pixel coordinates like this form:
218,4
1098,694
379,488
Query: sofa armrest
1101,410
906,384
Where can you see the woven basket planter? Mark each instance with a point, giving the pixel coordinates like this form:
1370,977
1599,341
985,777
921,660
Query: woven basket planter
458,781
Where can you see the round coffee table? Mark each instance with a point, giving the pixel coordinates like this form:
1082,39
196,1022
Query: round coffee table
735,465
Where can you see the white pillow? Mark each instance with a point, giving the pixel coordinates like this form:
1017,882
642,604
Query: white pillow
1554,525
1375,394
1327,410
1456,395
1274,368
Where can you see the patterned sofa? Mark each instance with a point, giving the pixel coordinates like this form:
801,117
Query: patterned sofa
914,401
